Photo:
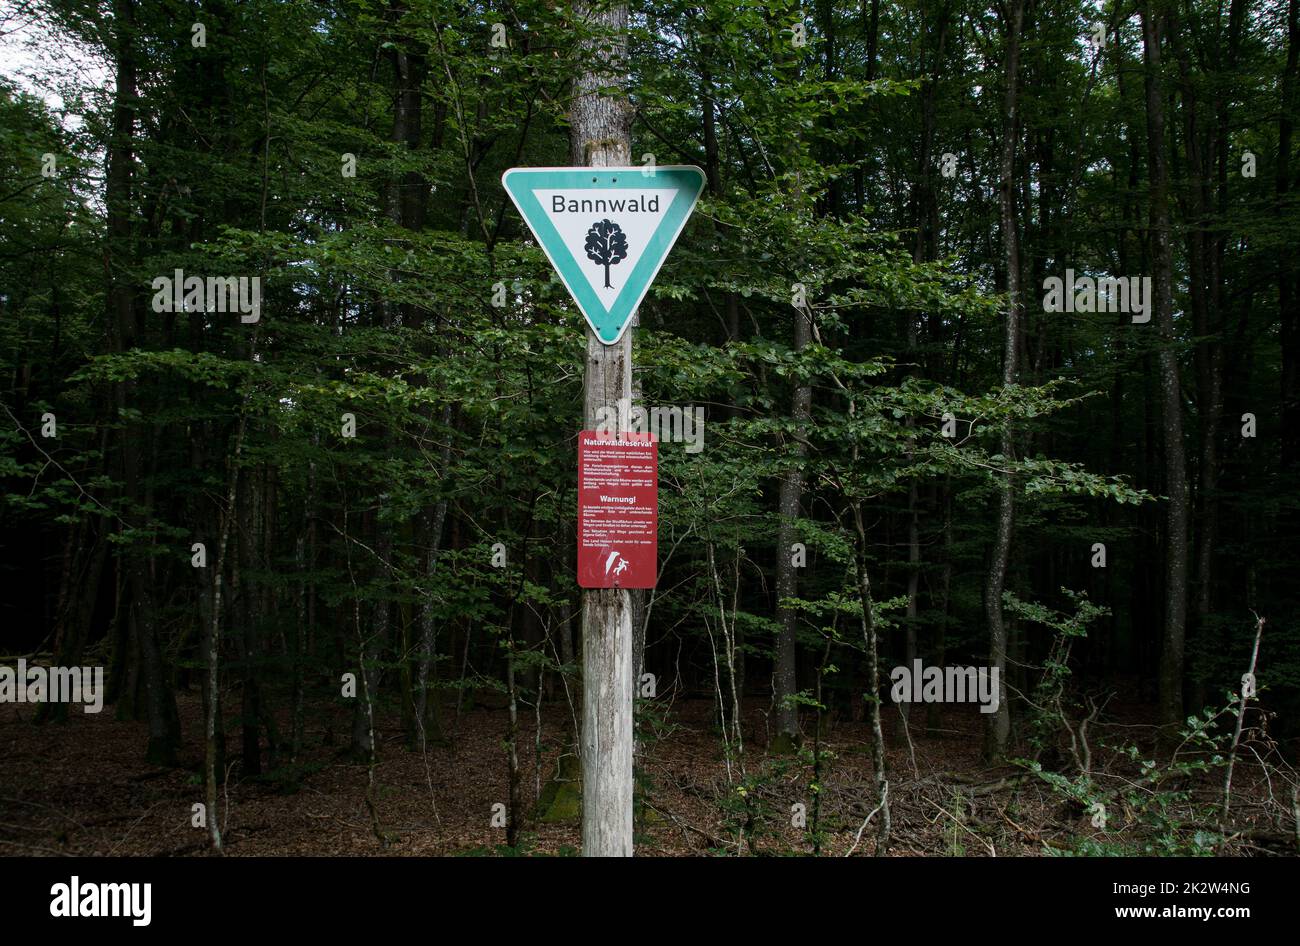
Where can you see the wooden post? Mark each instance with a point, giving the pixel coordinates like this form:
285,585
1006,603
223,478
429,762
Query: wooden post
600,136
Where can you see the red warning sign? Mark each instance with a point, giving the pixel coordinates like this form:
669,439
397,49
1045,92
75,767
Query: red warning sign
618,510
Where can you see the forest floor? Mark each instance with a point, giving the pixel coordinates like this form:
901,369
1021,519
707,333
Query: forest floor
83,787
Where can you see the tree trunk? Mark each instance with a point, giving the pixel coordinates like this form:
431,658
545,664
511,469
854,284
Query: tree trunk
785,684
1176,518
999,723
870,642
160,704
1205,293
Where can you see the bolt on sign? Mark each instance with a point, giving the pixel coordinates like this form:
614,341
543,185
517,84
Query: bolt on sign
618,510
607,231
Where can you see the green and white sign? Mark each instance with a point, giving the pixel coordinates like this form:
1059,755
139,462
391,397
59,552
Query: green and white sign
606,230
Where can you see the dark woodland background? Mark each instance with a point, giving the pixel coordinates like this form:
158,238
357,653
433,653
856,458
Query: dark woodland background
919,167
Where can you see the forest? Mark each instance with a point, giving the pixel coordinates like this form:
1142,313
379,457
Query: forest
974,380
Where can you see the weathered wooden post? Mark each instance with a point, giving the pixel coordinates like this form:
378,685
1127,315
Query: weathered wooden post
600,136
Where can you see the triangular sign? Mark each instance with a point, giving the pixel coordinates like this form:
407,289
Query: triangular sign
606,230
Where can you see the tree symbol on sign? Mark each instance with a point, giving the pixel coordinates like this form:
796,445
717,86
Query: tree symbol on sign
606,245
